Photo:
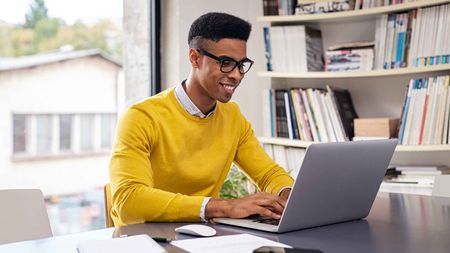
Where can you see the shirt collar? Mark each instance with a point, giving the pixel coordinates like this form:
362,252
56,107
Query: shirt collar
187,103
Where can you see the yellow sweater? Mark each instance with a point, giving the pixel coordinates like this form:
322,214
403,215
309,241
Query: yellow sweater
165,161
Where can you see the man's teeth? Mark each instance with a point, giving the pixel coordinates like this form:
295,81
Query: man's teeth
228,87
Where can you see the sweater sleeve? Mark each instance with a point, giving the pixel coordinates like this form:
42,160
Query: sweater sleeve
254,161
134,197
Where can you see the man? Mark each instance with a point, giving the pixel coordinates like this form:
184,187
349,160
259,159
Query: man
174,150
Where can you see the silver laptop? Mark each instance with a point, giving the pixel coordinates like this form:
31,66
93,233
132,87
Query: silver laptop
337,182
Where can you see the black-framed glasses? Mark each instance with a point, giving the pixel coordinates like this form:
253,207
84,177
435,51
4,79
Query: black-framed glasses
228,64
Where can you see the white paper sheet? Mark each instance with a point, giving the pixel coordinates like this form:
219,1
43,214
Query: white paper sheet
243,243
135,244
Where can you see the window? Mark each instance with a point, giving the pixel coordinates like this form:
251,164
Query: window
65,132
107,122
19,133
44,134
55,134
87,132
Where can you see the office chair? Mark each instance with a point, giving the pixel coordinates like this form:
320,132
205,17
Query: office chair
23,215
107,194
441,186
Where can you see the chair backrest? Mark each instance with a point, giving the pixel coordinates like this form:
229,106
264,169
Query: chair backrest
441,186
23,215
108,219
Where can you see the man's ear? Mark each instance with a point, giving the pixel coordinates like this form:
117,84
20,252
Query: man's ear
194,57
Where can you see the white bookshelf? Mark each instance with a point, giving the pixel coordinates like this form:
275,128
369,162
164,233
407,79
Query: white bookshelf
377,93
357,74
350,16
400,148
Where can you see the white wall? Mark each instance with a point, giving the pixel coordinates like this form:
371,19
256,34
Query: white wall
87,85
178,15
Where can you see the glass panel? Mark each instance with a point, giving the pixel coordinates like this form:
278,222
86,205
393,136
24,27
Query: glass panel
43,134
19,134
108,122
65,132
87,132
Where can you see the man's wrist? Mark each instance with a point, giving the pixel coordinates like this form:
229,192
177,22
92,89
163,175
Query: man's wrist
216,208
284,189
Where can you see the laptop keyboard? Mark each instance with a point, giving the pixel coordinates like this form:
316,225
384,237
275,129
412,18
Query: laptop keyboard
265,220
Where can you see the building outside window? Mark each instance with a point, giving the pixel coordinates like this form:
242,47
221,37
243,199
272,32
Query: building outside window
67,135
44,136
65,132
87,132
19,132
60,93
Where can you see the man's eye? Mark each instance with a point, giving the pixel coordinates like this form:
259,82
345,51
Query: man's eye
226,63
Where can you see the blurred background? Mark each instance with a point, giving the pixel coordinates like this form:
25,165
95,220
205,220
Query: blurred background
60,90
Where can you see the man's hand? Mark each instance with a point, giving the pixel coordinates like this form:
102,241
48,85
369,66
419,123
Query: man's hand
264,204
284,194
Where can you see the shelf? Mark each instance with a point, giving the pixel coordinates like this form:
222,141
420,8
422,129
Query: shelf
356,74
400,148
353,15
422,148
284,142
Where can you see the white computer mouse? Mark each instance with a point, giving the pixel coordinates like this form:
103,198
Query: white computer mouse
195,229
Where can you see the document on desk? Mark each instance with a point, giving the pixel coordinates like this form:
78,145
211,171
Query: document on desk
243,243
135,244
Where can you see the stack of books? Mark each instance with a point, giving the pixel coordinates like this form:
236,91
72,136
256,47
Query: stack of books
425,116
421,175
355,56
367,4
293,48
309,114
323,6
413,39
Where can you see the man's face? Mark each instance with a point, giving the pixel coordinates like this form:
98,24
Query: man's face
214,83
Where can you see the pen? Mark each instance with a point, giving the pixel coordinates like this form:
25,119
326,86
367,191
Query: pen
161,239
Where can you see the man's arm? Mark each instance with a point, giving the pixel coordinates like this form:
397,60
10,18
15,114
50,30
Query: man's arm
134,197
270,178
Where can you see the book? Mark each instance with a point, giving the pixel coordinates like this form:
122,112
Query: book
421,168
311,117
268,48
294,48
323,6
352,45
270,7
280,157
347,112
349,60
266,105
281,115
401,126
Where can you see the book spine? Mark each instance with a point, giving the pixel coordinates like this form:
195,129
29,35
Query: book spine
281,117
404,114
268,48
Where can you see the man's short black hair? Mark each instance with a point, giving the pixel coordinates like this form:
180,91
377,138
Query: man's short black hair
216,26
